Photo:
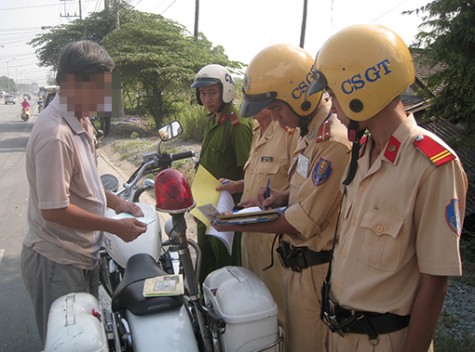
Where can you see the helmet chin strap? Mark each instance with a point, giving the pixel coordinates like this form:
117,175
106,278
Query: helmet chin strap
354,135
303,124
221,107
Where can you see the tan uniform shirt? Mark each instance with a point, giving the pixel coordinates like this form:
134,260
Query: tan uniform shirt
320,158
270,156
61,169
400,217
315,177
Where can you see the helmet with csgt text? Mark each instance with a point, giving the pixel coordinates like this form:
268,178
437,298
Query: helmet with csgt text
366,67
211,75
279,72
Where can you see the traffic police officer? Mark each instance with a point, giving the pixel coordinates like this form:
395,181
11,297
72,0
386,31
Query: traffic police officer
278,78
404,201
269,161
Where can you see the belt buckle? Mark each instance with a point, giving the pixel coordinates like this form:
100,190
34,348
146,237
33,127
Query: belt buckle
332,323
329,318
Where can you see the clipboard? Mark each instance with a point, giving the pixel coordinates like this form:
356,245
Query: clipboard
248,217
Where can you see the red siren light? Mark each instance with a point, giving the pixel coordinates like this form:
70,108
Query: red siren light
172,192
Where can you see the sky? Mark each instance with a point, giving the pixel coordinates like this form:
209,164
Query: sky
242,27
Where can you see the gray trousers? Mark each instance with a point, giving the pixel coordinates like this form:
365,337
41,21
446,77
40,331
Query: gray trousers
46,281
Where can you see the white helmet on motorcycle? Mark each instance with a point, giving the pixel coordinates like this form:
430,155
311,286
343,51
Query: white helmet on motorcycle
211,75
172,192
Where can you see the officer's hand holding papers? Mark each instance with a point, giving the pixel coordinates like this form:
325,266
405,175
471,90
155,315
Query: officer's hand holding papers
216,208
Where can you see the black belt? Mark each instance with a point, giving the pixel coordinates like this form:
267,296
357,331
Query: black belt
369,323
298,258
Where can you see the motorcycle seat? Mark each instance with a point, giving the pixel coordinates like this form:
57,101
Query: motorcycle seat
129,293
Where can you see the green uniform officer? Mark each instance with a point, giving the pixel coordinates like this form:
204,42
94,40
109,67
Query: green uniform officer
225,149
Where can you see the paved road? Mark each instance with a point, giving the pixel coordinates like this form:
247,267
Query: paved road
17,326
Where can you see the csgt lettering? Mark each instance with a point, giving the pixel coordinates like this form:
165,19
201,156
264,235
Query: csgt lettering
372,74
301,88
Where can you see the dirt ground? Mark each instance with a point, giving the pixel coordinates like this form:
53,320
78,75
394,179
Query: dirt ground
113,162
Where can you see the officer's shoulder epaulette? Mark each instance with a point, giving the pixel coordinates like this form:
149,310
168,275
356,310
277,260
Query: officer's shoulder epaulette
234,119
287,129
435,152
324,131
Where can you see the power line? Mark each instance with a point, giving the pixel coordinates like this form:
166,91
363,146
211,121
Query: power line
27,7
389,11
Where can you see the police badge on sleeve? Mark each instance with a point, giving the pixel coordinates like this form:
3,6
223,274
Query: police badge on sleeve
452,215
321,172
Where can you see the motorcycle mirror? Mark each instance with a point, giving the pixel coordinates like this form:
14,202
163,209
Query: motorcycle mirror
170,131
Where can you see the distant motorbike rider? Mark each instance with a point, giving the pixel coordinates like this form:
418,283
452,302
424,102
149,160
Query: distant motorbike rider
25,105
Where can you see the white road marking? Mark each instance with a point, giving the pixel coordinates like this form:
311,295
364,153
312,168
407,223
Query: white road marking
1,255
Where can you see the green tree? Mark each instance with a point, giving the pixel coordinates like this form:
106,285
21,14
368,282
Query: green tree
49,44
448,35
7,84
157,58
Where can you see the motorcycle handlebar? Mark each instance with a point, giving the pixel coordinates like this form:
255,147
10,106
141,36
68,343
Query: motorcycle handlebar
155,161
183,155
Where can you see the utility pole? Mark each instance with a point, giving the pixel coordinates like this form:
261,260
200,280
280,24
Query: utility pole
117,17
197,16
304,24
67,14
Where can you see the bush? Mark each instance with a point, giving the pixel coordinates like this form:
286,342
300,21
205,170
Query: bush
192,118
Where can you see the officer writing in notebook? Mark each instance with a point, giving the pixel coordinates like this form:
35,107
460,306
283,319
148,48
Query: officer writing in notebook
269,161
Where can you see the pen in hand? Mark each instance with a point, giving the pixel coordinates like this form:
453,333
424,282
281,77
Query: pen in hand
267,192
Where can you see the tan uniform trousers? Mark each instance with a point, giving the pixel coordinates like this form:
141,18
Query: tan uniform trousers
393,342
304,330
257,254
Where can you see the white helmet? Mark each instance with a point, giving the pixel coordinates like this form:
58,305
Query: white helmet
214,74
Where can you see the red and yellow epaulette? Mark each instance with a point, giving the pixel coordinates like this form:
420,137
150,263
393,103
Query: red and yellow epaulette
232,116
437,153
287,129
234,119
323,132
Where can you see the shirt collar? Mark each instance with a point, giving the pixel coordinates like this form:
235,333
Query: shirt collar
72,121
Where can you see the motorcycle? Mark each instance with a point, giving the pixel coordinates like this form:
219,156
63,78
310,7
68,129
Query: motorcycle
25,114
235,311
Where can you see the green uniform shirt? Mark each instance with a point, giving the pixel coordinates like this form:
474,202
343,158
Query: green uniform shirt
224,151
226,144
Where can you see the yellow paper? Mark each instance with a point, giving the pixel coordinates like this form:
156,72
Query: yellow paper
211,202
204,192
